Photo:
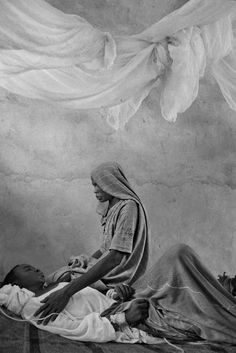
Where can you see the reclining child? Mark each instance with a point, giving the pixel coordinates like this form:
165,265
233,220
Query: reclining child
177,299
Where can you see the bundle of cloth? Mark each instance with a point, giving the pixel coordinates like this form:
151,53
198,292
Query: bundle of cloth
62,58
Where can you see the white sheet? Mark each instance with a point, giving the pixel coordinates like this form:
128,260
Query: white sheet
79,321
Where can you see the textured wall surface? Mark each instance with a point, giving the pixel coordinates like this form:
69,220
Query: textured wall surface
184,172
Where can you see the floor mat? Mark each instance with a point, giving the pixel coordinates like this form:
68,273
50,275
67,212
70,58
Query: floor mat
21,337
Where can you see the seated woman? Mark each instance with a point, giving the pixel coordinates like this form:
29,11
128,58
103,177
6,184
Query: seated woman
176,299
123,255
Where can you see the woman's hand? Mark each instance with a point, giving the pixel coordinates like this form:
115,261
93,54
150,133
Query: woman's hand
123,292
53,305
137,312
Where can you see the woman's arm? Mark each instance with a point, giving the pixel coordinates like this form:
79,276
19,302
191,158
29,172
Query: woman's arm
56,302
99,270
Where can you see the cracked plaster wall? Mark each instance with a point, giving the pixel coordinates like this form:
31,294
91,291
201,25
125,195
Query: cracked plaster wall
184,172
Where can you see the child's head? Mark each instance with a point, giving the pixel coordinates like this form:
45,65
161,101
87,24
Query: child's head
25,276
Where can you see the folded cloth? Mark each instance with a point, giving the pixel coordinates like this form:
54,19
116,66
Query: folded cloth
14,298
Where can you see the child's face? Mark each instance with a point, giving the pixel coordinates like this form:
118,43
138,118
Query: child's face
29,276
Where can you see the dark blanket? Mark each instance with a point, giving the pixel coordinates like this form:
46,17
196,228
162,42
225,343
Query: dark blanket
21,337
186,302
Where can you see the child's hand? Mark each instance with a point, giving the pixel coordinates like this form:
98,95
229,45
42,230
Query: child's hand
137,312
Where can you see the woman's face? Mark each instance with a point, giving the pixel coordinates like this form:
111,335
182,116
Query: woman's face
101,195
29,276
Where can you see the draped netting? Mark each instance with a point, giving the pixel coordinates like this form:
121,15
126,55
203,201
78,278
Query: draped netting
47,54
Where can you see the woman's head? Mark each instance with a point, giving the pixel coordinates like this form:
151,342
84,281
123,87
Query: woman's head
109,181
25,276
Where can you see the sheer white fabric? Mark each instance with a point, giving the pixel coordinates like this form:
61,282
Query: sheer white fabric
59,57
